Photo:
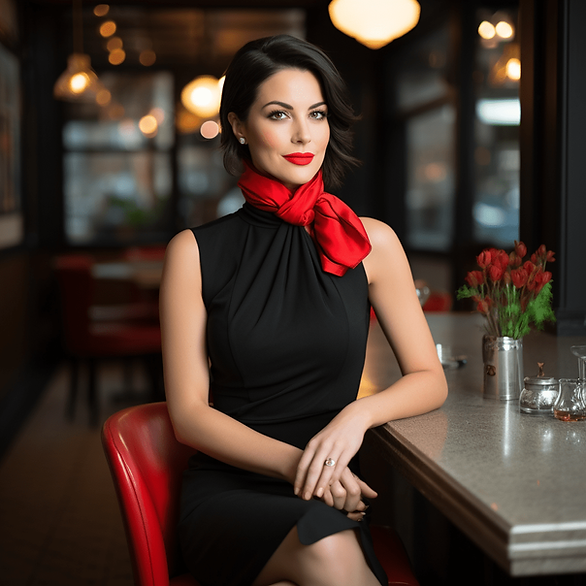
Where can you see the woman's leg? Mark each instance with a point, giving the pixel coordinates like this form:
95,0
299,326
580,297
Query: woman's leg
335,560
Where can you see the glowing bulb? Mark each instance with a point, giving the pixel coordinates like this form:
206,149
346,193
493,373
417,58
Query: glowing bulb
148,124
108,28
374,23
514,69
202,96
486,30
504,30
209,129
116,57
79,82
101,9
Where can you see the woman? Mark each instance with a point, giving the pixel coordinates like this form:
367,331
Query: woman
267,311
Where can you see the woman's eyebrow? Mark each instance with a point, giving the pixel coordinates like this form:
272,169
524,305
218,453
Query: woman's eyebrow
289,107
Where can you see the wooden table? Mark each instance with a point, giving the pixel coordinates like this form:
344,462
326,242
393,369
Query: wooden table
514,483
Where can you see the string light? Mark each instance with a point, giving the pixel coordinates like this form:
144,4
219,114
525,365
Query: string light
108,28
486,30
101,9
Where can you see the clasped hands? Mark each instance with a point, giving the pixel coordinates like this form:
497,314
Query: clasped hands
333,483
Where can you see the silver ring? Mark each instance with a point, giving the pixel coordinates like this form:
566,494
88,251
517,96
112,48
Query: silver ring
329,462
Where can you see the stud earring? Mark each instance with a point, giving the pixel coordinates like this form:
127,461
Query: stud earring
242,140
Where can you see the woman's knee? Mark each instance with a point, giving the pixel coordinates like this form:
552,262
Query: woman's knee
335,560
341,553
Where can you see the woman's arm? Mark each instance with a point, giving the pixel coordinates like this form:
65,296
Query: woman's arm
185,360
422,387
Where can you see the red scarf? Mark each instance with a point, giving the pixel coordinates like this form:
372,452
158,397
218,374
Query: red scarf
337,231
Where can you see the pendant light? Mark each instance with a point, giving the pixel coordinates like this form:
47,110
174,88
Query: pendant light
374,23
78,82
202,96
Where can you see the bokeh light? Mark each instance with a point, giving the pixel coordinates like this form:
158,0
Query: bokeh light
108,28
209,129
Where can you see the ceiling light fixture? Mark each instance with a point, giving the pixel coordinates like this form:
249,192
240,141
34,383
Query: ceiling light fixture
78,82
374,23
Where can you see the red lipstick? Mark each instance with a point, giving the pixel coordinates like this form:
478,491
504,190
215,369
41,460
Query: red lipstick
299,158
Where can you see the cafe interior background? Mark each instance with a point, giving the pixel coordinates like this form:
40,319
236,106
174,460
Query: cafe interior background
459,151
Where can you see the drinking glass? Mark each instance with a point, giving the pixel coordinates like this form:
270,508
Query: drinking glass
579,351
569,405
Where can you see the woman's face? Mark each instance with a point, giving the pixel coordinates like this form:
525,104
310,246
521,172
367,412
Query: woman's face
287,129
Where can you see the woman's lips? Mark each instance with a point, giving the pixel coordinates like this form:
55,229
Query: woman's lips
299,158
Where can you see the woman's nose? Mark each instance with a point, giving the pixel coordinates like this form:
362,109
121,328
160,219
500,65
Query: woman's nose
301,133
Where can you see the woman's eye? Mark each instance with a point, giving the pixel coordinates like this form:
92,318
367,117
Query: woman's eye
278,115
318,114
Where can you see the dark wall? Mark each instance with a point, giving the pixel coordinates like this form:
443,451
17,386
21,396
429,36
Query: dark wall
29,330
553,150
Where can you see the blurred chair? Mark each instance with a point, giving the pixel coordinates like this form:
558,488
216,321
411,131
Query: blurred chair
146,256
145,253
93,333
438,301
146,462
432,300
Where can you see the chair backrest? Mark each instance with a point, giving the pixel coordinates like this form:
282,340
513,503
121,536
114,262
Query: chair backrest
76,287
146,462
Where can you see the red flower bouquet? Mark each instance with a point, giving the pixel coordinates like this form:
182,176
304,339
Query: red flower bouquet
512,293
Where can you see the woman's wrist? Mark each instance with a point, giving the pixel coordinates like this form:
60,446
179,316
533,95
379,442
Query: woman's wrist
360,413
290,465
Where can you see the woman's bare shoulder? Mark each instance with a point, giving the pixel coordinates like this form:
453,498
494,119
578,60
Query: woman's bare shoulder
381,235
183,246
182,252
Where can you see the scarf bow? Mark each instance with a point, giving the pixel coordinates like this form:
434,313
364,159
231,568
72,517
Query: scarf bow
337,231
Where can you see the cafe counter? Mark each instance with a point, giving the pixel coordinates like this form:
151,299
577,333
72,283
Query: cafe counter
515,484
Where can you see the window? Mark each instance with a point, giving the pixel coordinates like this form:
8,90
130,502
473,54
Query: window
117,177
429,130
498,114
430,179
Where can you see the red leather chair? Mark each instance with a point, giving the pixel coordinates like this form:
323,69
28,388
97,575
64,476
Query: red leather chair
146,462
115,334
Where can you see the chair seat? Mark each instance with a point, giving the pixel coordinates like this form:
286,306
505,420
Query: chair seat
391,553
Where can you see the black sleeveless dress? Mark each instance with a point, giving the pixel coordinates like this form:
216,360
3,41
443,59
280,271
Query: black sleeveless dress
287,343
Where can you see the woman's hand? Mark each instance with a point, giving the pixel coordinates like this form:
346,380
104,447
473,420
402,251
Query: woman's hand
336,444
346,495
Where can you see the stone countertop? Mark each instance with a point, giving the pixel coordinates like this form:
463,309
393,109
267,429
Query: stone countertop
514,483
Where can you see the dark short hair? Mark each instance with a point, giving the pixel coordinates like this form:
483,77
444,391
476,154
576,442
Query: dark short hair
257,61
